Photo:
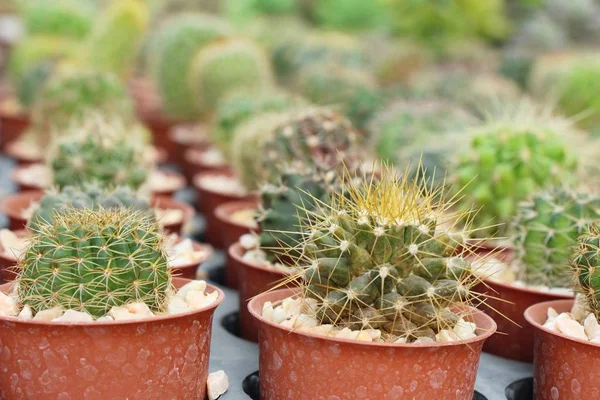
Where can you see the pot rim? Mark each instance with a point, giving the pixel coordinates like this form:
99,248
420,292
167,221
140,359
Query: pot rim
157,318
27,195
558,296
172,174
196,181
235,251
224,211
12,151
283,293
168,201
545,305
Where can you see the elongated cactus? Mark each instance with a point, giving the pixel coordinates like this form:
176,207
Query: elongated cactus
547,228
585,267
239,107
227,66
172,52
98,151
384,255
89,196
92,261
68,18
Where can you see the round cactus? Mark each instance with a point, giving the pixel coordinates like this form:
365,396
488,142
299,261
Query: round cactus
508,162
547,228
69,18
92,261
379,257
89,196
239,107
172,53
226,66
98,151
585,267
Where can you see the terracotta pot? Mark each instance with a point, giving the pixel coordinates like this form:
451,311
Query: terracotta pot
155,358
181,183
506,306
188,271
187,136
563,368
12,124
160,125
301,365
22,186
194,163
208,199
252,280
14,205
164,203
232,230
7,263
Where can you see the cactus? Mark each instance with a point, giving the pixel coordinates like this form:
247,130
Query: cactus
578,95
385,255
172,52
33,82
98,151
89,196
92,261
115,39
239,107
354,91
316,138
68,18
351,15
227,66
432,130
546,230
585,267
507,162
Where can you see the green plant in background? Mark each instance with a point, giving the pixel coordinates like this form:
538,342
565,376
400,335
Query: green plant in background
116,37
68,18
241,11
171,55
578,96
384,256
99,151
351,15
509,160
239,107
33,81
431,130
585,267
92,261
226,66
88,196
355,92
546,230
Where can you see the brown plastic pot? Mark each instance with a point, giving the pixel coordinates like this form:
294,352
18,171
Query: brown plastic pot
506,306
252,280
188,271
208,199
12,125
8,263
194,163
188,136
160,125
181,183
232,230
14,205
165,203
301,365
563,368
164,357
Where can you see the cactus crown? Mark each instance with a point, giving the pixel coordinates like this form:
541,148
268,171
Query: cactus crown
97,150
585,267
547,228
386,255
93,260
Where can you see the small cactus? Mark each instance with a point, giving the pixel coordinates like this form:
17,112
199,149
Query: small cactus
92,261
227,66
546,230
171,55
585,267
98,151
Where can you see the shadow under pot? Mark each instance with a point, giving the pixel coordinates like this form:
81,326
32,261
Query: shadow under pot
114,359
302,365
252,280
563,367
236,218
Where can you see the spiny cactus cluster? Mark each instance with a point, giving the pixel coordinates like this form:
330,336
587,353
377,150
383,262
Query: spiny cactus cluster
546,231
585,266
89,196
91,261
386,255
98,151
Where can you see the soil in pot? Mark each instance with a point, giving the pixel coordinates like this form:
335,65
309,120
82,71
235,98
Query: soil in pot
203,160
236,218
173,215
108,360
186,257
302,365
564,367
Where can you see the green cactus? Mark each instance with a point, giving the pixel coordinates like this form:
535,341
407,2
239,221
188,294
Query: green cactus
378,257
507,162
89,196
98,151
578,95
227,66
351,15
355,92
432,130
113,43
585,267
68,18
546,231
91,261
172,53
239,107
33,82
